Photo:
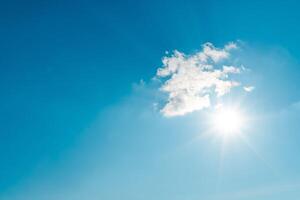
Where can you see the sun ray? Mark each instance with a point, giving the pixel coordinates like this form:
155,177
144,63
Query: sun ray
258,154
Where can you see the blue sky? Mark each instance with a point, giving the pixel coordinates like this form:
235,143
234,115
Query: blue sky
77,122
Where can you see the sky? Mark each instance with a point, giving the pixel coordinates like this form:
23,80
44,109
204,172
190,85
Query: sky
113,99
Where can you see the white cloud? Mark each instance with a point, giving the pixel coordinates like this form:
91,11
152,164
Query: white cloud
191,80
230,46
249,88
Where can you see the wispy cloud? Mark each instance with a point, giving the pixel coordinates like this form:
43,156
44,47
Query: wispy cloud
296,105
249,88
191,80
262,191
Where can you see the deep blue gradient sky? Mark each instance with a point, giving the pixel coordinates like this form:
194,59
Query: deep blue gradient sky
74,126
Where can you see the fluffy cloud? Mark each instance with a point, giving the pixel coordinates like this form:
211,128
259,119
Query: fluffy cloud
191,80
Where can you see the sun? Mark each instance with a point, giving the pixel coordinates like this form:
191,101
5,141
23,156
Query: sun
227,121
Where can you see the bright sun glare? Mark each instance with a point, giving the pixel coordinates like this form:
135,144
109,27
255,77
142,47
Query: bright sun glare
227,121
